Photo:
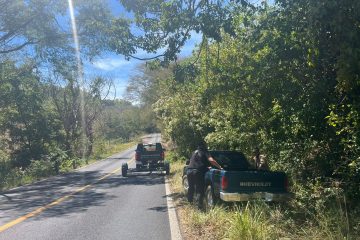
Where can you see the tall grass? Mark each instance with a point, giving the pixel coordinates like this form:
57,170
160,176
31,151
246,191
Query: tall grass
11,177
250,222
103,149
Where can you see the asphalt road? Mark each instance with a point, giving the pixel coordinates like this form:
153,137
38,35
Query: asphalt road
95,202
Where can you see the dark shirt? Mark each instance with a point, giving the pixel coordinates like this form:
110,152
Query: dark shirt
199,160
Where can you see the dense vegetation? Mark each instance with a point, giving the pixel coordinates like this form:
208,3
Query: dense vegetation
43,127
53,118
285,79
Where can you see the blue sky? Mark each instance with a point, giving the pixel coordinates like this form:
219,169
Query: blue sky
120,70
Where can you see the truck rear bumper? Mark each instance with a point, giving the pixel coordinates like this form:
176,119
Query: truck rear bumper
269,197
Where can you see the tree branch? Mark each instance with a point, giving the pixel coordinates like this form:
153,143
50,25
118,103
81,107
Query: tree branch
147,58
16,48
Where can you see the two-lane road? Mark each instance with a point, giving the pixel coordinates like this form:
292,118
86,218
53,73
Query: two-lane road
95,202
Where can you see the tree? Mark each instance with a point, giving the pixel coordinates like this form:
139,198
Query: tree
39,25
25,123
79,108
144,86
277,83
167,24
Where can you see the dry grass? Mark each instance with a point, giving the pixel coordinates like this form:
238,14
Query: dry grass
105,149
194,223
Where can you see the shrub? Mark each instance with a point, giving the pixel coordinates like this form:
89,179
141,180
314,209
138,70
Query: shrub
40,168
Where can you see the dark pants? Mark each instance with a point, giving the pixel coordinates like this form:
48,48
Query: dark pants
196,180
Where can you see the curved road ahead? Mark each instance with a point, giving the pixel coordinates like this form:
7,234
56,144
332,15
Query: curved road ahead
94,202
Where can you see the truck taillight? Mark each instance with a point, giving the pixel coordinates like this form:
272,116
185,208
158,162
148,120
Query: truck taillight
224,182
137,156
162,155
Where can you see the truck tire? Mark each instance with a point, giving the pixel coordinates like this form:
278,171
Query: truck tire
185,184
210,199
167,168
124,169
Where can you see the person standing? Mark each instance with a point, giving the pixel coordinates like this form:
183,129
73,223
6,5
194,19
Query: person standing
200,162
256,157
260,160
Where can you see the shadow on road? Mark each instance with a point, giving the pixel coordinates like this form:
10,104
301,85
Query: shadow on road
23,200
8,198
117,158
159,209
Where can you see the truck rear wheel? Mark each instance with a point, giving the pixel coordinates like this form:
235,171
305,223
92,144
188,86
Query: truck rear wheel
185,184
210,198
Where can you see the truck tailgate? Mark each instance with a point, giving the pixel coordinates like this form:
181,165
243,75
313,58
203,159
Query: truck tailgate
255,181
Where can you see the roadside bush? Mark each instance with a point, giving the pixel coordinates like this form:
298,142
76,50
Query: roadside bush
13,177
326,211
40,168
173,156
99,148
66,165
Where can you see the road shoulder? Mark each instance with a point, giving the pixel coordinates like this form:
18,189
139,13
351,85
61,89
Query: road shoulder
173,218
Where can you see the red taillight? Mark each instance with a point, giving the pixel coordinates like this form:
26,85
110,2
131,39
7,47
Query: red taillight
162,155
224,182
137,156
286,184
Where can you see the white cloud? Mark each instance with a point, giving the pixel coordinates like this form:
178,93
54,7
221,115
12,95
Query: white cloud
109,64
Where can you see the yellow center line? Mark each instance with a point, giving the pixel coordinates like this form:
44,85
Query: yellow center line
131,160
56,202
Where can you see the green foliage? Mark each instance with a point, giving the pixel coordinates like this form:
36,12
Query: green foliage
25,123
40,168
251,222
280,82
106,148
37,26
49,116
122,120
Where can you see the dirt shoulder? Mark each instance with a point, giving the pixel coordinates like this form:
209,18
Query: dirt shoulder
194,224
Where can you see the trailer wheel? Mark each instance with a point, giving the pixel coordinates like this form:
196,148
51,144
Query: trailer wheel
124,169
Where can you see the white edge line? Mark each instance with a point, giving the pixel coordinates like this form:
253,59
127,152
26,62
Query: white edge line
173,220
